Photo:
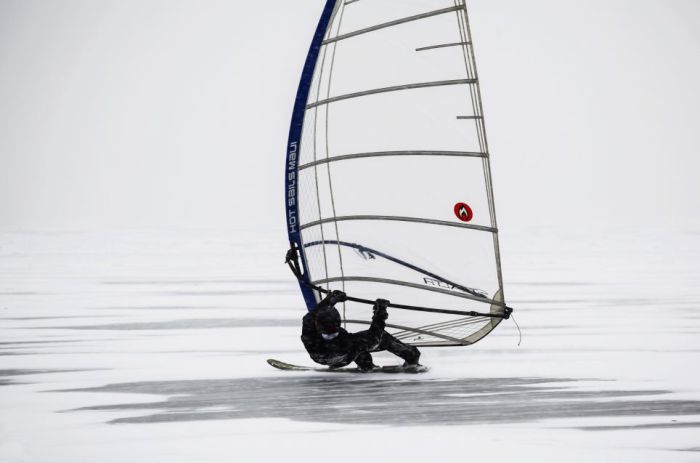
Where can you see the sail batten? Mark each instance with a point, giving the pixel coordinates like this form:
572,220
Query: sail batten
394,88
443,223
391,24
443,45
409,284
345,157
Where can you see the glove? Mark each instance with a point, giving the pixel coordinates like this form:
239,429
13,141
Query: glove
337,296
381,303
380,309
291,254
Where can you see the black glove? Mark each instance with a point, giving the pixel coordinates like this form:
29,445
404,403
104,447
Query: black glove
381,303
380,309
291,255
337,296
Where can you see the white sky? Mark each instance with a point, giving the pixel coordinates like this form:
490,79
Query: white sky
129,114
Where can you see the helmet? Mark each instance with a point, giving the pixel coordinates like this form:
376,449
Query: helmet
328,320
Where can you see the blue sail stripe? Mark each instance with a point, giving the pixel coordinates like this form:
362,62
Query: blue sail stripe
291,175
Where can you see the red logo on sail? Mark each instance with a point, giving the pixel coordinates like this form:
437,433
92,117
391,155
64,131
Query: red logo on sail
464,212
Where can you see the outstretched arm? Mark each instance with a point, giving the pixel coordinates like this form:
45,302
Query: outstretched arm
380,316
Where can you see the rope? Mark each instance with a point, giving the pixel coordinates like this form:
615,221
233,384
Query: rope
520,334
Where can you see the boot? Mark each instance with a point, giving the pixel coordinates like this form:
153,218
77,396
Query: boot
364,362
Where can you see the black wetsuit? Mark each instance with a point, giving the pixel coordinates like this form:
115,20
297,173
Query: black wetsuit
348,347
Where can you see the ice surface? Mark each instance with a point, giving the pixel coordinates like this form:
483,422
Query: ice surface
147,346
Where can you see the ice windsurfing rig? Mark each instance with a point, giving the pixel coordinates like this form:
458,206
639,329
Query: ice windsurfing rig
388,182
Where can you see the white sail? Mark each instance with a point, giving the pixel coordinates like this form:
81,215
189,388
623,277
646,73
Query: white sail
392,185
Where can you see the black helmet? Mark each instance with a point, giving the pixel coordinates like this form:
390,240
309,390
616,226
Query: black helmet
328,320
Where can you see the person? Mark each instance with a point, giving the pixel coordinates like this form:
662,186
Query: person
329,344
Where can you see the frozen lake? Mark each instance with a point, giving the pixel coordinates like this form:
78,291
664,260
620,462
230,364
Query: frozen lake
152,346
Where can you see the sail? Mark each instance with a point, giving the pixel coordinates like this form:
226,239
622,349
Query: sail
388,185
